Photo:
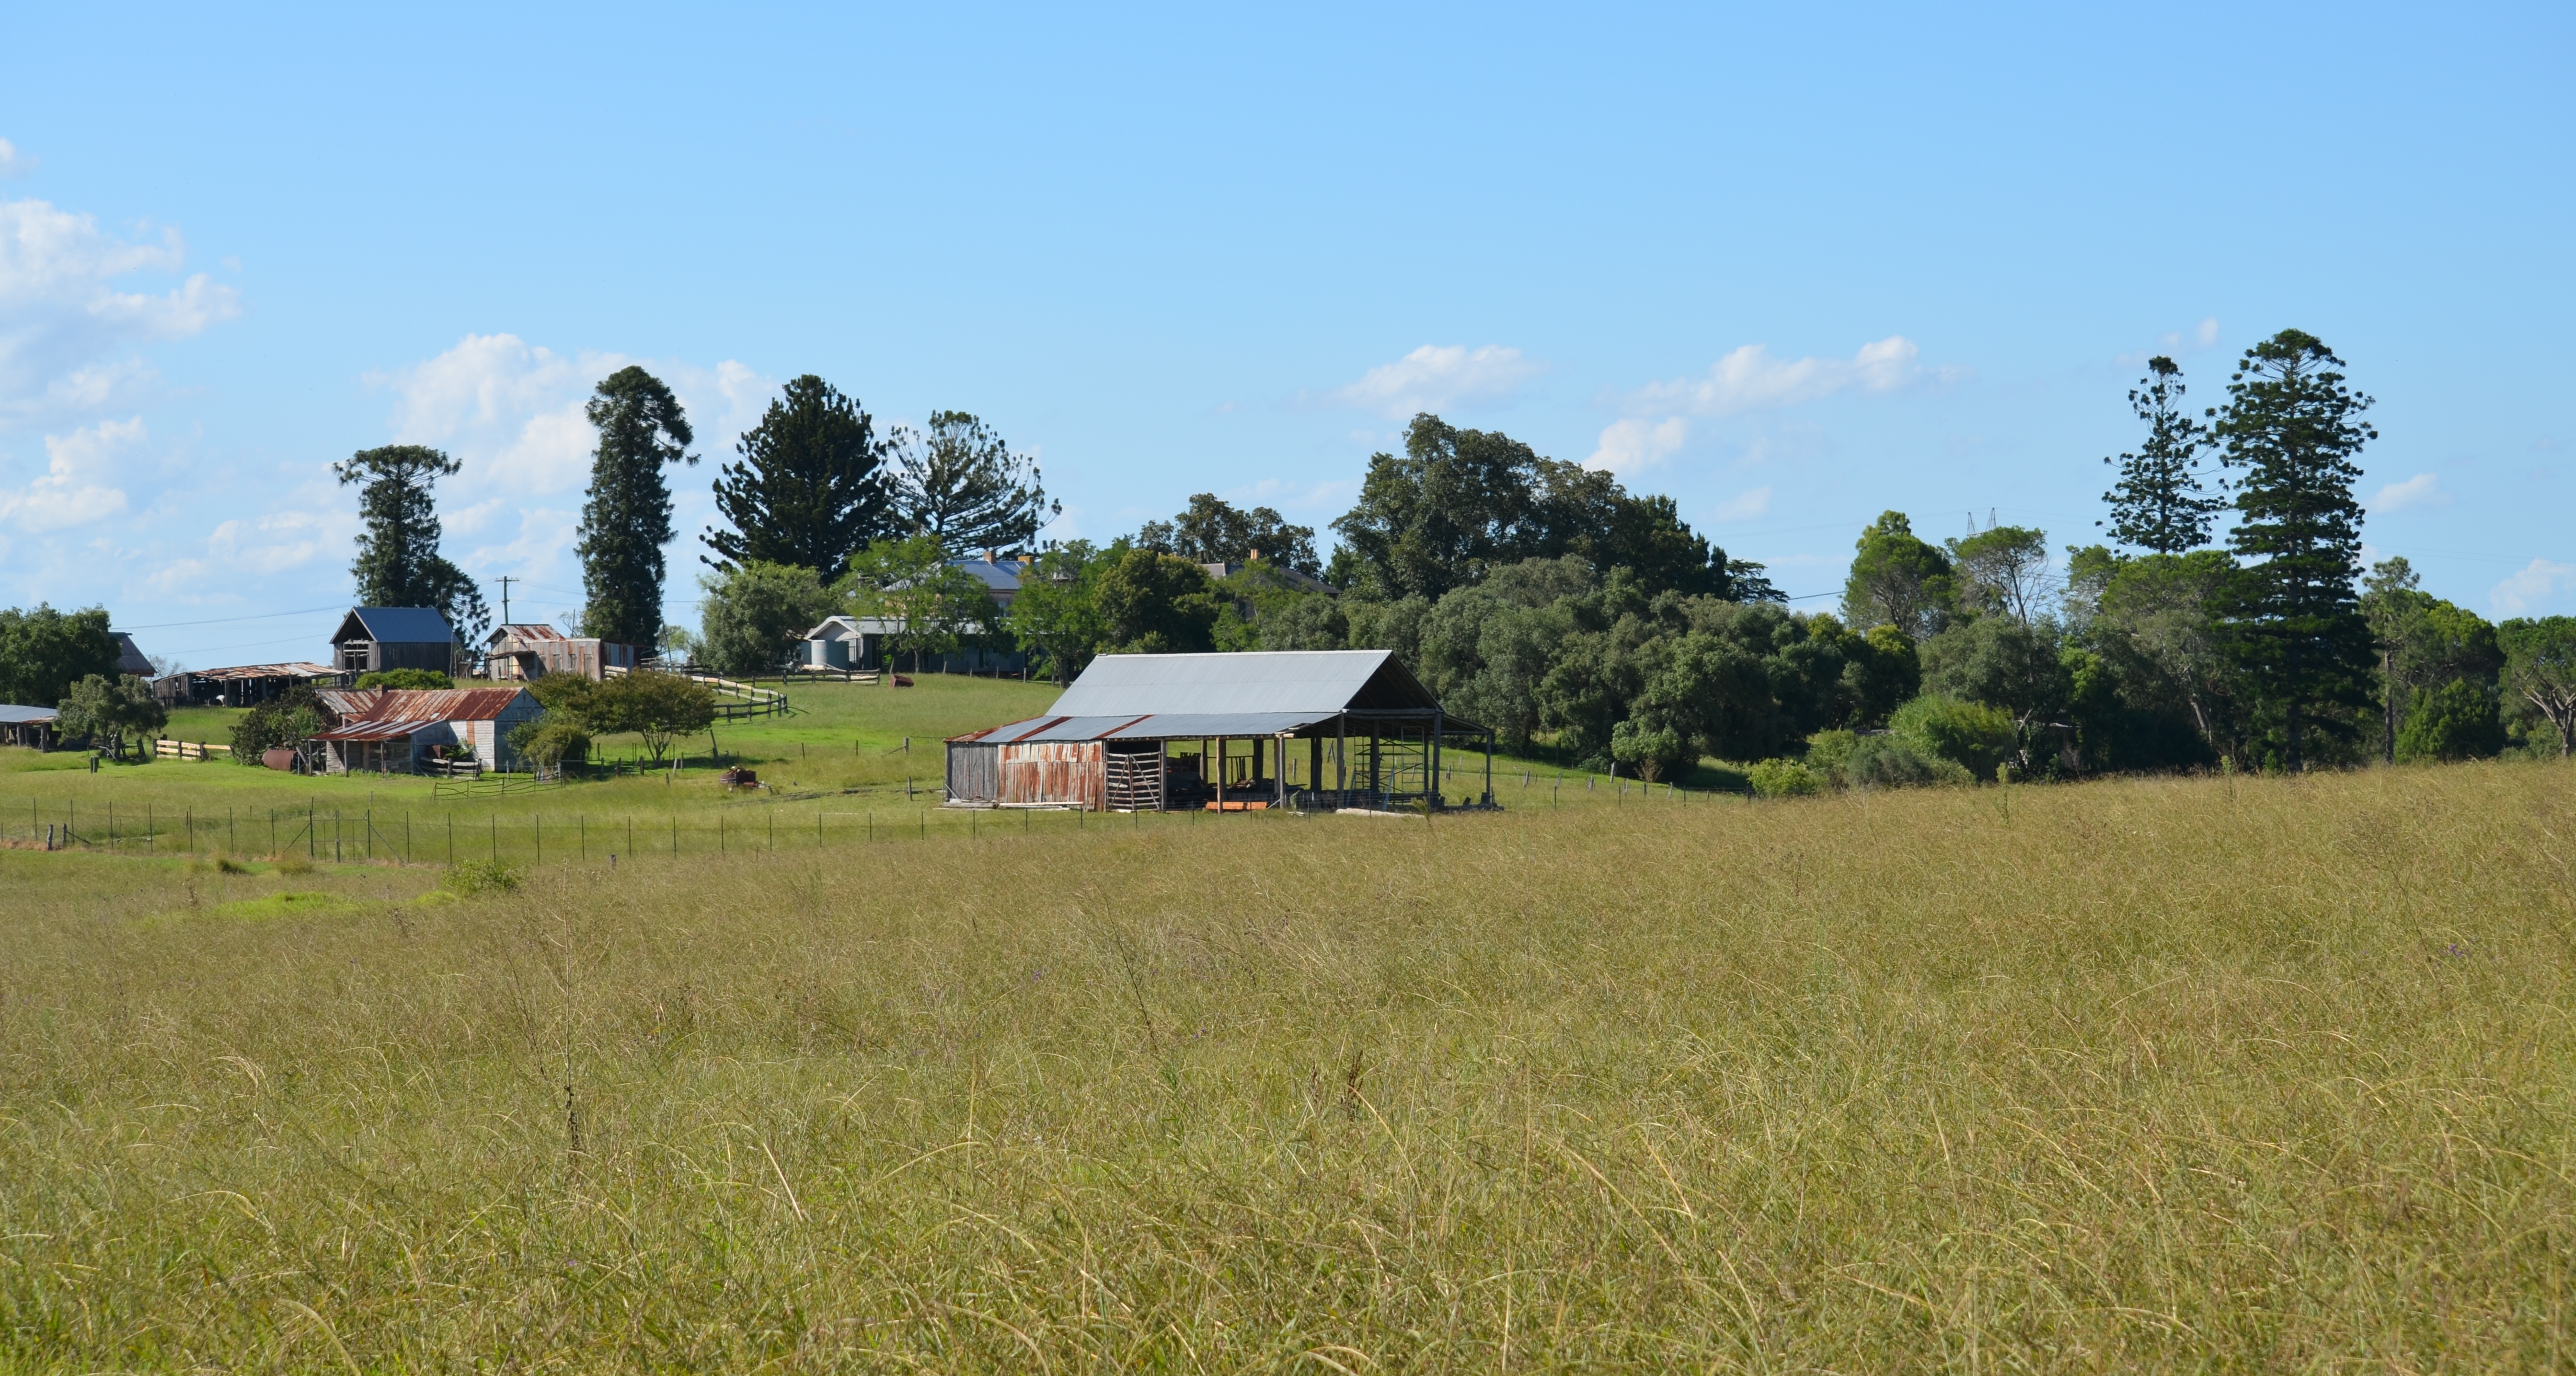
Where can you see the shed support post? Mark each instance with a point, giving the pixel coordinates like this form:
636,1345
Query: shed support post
1315,762
1432,785
1341,761
1279,789
1489,768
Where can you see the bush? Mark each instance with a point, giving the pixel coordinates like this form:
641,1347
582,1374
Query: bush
280,721
471,877
1829,751
1969,734
1886,762
405,678
552,740
1653,756
1783,779
2456,721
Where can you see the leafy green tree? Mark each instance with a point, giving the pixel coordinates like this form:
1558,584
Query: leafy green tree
1057,610
1157,604
2002,571
286,720
1882,669
44,652
551,740
812,488
958,483
1455,503
753,616
2294,427
626,520
910,583
2540,667
659,707
2456,720
2000,662
1484,649
2158,504
111,709
1214,531
398,563
2424,645
2162,624
1898,580
1971,734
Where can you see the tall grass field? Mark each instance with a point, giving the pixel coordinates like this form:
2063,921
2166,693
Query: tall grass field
2182,1074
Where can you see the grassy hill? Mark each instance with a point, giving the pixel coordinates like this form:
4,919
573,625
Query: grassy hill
2152,1074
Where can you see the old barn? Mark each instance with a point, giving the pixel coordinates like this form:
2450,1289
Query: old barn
1317,728
373,639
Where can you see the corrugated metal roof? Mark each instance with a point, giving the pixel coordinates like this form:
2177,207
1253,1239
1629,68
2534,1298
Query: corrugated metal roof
373,731
419,704
24,716
265,671
524,631
401,625
1152,726
1325,681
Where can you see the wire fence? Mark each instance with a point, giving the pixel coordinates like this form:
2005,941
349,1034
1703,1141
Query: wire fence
449,835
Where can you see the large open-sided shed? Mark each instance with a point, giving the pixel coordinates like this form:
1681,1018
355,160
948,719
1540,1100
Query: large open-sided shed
1150,732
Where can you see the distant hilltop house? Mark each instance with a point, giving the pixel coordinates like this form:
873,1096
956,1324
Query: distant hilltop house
397,730
860,642
531,650
374,639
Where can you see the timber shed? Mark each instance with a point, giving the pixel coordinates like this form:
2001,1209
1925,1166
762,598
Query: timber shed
371,639
392,730
1146,733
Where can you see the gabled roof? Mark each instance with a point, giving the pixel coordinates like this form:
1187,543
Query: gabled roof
1327,681
372,705
524,632
130,658
394,626
1002,577
24,716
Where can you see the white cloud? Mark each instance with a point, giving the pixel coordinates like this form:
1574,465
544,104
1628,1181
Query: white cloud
1629,445
281,540
2539,586
14,163
1746,505
2421,490
513,411
77,486
63,321
1435,377
1750,379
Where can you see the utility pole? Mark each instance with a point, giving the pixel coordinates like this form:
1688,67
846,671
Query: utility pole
506,581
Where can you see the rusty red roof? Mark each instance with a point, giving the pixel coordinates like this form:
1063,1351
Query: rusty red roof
373,731
419,704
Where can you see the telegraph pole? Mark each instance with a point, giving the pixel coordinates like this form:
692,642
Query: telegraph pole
506,581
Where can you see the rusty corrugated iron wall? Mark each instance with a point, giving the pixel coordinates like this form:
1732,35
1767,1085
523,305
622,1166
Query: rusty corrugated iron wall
1057,772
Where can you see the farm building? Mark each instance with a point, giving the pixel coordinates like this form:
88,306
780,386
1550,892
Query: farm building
28,726
861,642
130,658
533,650
1151,732
392,730
377,638
241,686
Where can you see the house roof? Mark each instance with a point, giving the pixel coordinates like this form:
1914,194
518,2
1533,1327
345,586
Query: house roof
395,626
1259,693
373,731
1002,577
24,716
844,627
353,705
524,632
130,658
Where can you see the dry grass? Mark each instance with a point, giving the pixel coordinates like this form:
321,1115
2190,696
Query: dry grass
2162,1074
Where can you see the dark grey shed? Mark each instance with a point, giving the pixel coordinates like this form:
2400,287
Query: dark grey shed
1149,732
371,639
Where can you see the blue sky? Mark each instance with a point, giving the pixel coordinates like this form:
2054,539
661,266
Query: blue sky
1793,266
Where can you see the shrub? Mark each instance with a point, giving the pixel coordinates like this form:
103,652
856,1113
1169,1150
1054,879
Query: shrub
2456,721
1970,734
1783,779
554,739
1886,762
281,721
405,678
1829,751
471,877
1653,756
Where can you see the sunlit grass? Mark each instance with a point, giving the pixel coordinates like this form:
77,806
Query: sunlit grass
2250,1074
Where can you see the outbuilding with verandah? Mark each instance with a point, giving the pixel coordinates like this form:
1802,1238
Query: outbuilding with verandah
1153,732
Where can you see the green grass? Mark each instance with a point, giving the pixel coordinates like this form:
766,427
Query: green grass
2204,1074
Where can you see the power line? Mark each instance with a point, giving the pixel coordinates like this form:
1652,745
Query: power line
228,620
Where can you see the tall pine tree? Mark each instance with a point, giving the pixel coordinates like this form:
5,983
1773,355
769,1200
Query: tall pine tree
398,563
962,486
627,519
2294,427
811,489
2158,503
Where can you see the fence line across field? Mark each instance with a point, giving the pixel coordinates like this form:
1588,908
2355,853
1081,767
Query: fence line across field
443,836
